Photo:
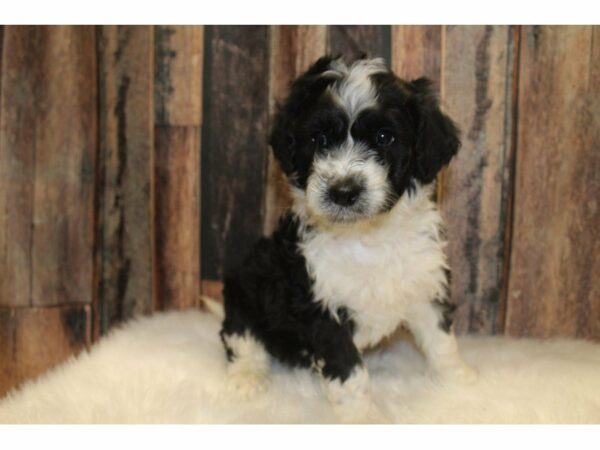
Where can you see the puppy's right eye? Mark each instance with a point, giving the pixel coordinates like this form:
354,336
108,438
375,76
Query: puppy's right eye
320,140
383,138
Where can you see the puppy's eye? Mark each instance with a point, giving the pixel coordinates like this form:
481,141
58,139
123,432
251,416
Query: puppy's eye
383,138
320,140
290,140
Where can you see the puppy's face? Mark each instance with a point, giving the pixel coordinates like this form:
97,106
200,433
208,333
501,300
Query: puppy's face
352,140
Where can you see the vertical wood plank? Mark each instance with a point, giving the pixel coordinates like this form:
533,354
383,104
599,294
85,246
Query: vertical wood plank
179,63
48,164
293,50
32,340
21,83
476,92
1,52
554,288
178,216
178,119
65,160
416,52
126,144
234,159
352,41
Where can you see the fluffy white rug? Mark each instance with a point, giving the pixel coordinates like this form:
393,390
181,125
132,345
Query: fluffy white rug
170,368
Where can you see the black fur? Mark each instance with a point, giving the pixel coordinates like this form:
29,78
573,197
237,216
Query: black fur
446,308
270,297
437,136
447,319
426,139
291,135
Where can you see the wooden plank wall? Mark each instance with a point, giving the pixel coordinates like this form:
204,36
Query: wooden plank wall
48,119
554,288
135,170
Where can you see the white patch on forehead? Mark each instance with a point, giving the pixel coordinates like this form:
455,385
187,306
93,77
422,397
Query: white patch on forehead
355,91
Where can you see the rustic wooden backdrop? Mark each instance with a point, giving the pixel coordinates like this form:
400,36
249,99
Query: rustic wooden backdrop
134,168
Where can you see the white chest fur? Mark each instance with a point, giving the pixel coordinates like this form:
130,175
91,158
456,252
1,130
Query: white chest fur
379,270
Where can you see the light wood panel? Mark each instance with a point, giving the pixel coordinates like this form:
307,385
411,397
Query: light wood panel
554,289
176,207
32,340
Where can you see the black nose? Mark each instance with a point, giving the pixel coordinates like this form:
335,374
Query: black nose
345,193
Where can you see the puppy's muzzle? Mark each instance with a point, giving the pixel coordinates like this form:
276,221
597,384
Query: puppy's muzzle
346,192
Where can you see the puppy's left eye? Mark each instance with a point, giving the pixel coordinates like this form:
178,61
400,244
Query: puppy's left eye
383,138
320,140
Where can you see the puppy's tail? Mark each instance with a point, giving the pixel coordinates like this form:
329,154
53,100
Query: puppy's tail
214,307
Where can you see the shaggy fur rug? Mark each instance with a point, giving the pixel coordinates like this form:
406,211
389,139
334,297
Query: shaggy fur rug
170,368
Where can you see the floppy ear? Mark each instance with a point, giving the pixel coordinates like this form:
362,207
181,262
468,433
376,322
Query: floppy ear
437,136
304,91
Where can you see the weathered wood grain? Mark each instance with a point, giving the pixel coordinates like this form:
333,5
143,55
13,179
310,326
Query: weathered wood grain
293,50
1,52
178,88
554,288
48,164
32,340
354,41
65,161
126,69
178,216
178,119
416,52
21,79
476,92
234,140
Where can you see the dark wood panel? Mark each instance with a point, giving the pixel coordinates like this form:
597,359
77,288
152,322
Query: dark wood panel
178,95
293,50
1,52
352,41
234,156
126,146
477,94
32,340
416,52
554,288
65,163
21,81
49,151
177,216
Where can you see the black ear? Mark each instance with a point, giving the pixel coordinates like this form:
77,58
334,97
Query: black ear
437,136
303,92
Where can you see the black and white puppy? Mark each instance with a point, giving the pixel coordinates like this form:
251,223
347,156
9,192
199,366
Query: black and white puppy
362,251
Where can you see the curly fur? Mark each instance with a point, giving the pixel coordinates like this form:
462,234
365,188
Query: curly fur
361,252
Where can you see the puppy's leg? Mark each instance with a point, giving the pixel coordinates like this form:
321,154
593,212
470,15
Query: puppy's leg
345,378
248,363
431,325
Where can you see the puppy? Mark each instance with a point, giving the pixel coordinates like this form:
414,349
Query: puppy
362,250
